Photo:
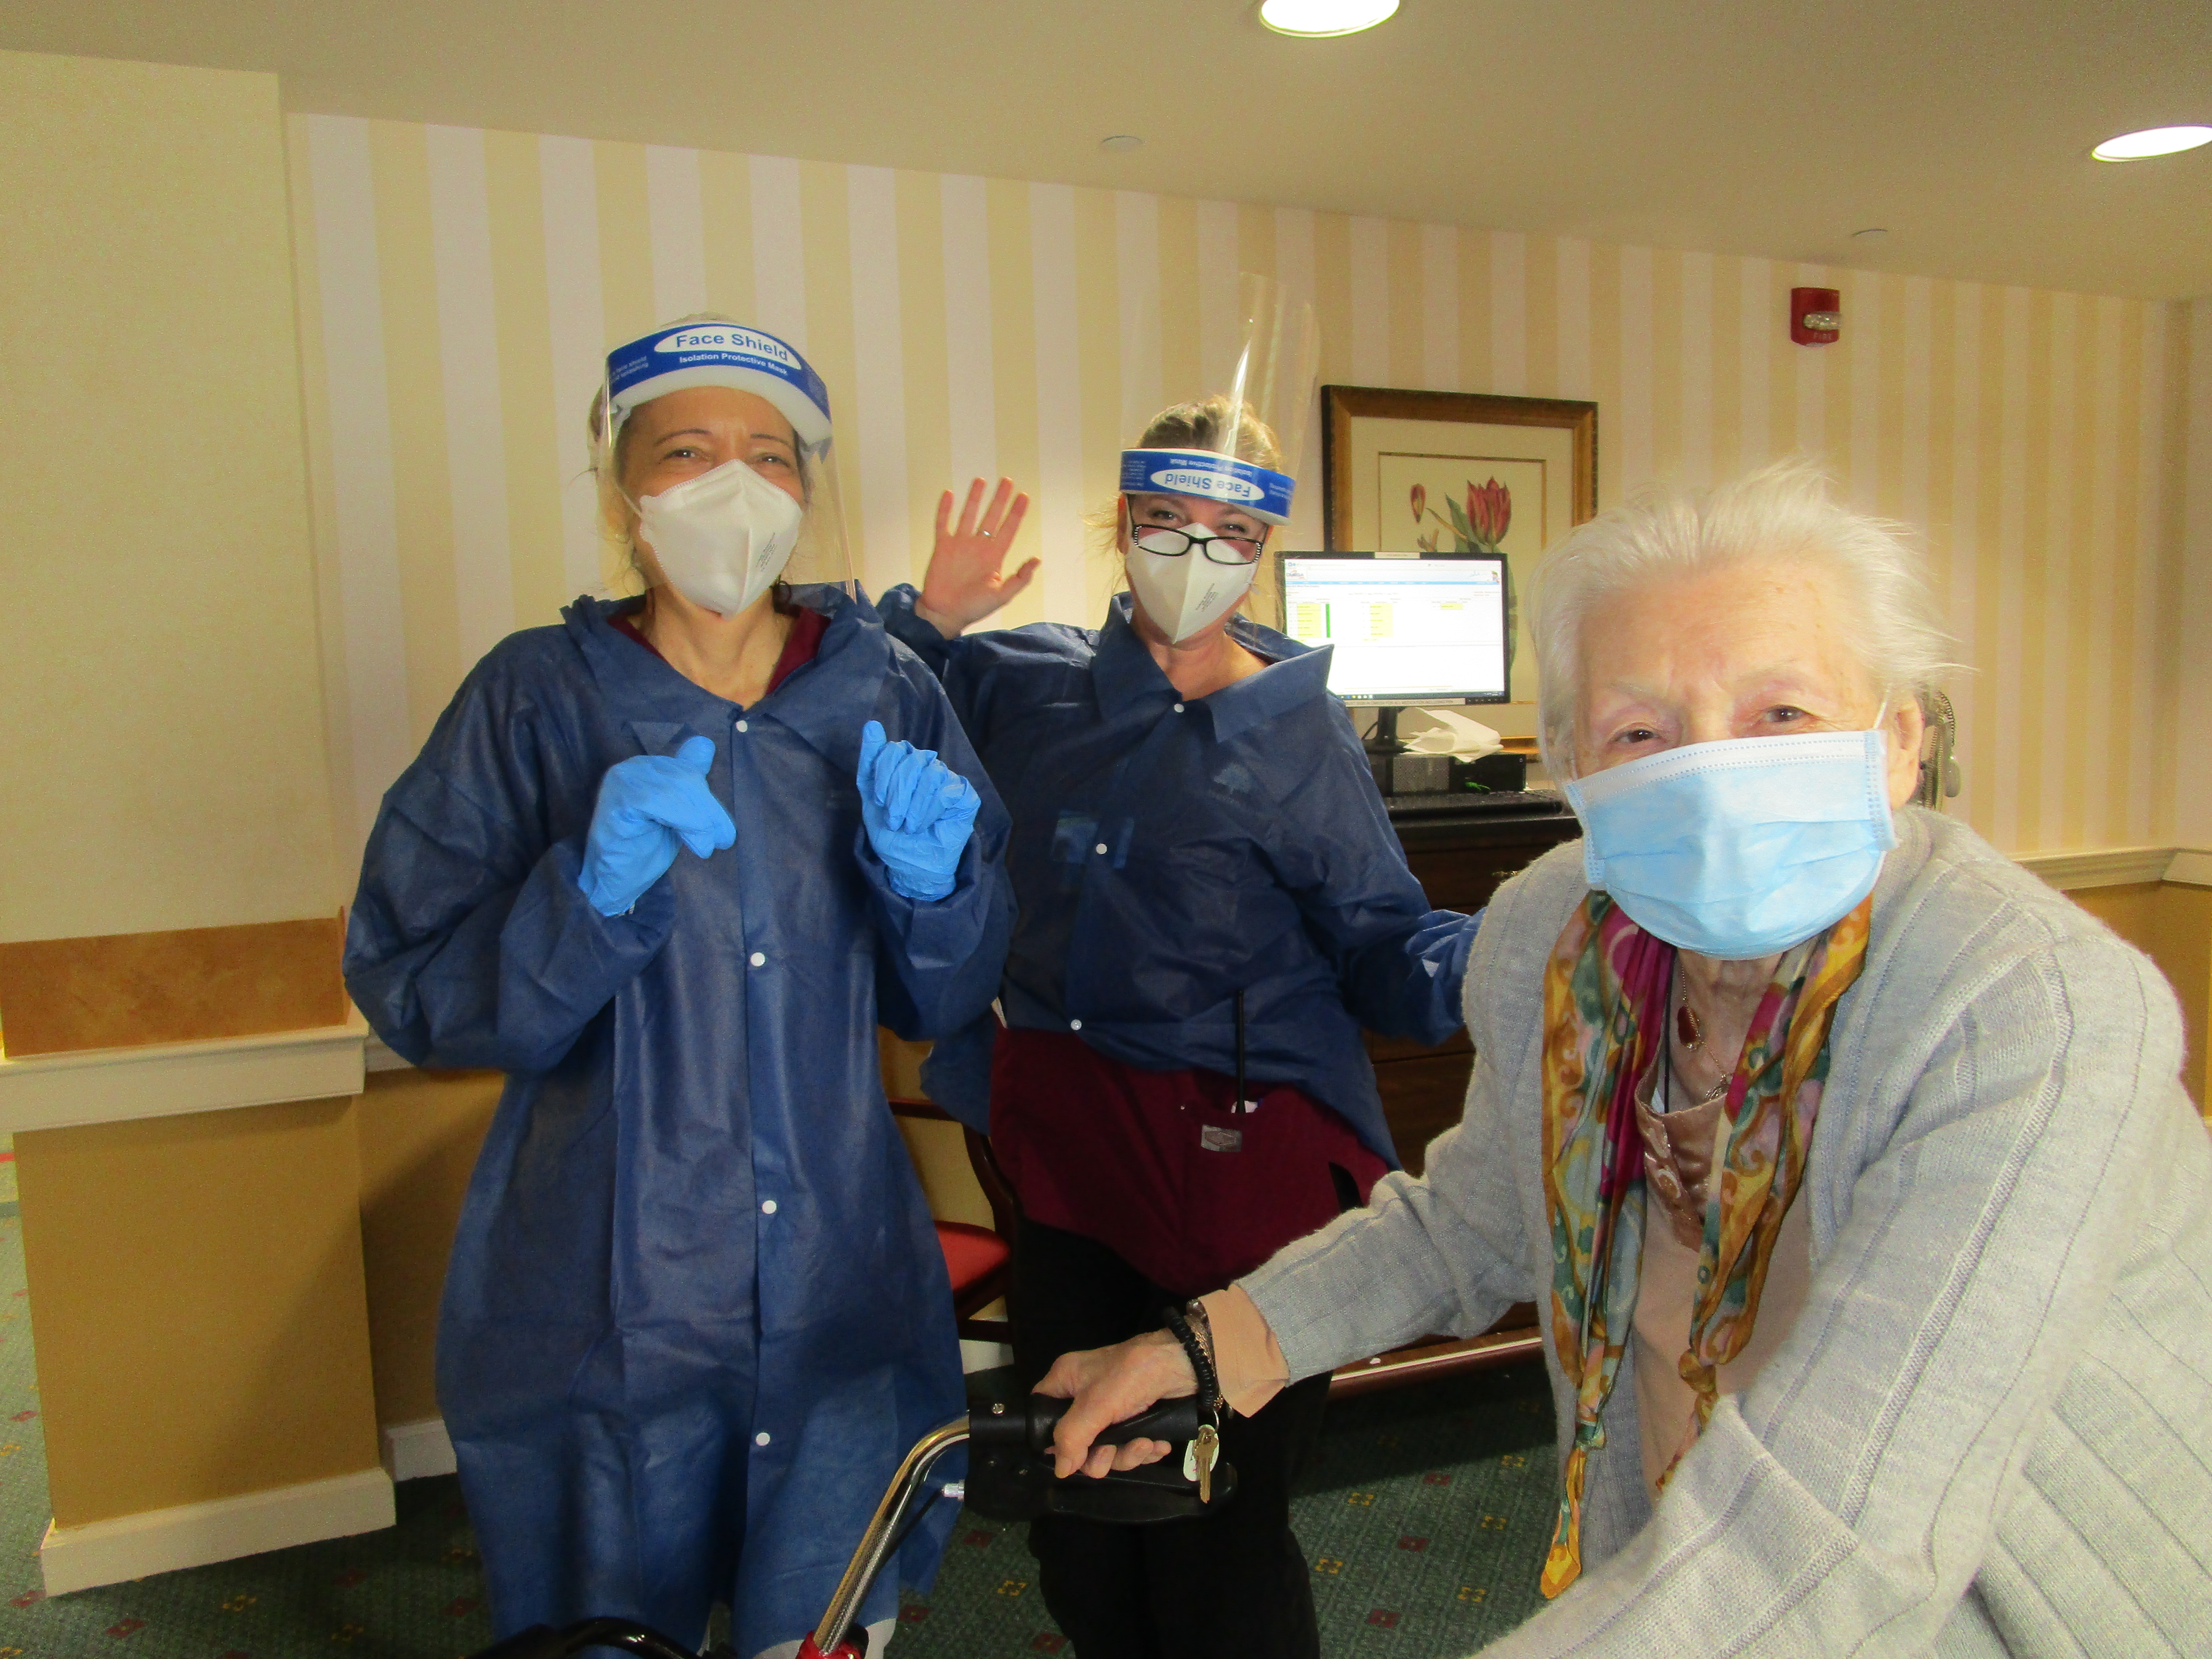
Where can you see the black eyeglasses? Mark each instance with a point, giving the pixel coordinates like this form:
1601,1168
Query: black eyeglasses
1221,550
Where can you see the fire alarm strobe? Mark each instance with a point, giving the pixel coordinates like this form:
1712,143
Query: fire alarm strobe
1815,317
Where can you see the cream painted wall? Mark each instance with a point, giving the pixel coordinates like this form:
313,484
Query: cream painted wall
2193,693
457,287
162,732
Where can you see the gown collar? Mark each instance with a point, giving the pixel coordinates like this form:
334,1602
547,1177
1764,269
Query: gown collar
823,702
1124,675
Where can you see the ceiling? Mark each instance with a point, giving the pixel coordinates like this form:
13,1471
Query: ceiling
1962,127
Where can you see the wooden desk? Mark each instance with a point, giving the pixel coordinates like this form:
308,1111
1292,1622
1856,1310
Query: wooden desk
1459,864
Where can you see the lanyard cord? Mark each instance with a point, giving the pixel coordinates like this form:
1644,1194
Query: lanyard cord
1239,1108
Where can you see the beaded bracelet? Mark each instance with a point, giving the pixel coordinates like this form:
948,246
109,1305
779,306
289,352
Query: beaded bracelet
1202,1363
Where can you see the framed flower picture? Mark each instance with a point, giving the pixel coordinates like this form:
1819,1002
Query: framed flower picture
1414,472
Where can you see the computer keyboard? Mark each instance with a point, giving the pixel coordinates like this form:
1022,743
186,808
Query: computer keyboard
1480,801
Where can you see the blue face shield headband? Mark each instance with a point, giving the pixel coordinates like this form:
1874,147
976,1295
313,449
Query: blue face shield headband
719,354
1741,848
1265,495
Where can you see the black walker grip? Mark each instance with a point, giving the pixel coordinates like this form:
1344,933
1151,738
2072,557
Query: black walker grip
1173,1421
1010,1468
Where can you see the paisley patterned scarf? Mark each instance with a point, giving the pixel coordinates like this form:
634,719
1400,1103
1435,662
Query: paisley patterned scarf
1606,995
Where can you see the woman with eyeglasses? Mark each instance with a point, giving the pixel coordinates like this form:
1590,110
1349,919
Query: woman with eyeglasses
1209,893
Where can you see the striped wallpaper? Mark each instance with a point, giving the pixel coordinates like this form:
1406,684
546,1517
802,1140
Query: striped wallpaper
458,288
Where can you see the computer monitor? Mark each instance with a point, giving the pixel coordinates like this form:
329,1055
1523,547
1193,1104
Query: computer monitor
1407,631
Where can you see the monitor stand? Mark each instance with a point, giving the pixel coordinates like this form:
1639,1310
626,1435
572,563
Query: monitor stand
1383,747
1384,741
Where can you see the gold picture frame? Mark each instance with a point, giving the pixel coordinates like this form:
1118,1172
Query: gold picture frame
1406,473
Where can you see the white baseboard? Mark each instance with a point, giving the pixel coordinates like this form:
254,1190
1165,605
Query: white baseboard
412,1450
195,1534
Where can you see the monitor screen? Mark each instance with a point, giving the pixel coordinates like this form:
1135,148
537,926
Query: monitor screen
1431,630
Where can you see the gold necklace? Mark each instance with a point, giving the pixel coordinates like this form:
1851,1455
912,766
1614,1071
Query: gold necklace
1692,1033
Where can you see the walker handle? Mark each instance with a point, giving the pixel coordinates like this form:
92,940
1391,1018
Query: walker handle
1030,1425
1009,1470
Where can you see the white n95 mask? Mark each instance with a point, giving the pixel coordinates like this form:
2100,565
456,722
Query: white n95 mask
1184,592
723,537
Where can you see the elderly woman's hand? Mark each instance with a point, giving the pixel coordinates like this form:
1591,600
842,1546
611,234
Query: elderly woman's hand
965,581
1108,1385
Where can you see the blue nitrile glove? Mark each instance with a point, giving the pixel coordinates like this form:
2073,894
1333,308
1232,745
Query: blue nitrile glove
918,812
647,805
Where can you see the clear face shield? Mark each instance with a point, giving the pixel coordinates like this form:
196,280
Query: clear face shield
717,472
1213,480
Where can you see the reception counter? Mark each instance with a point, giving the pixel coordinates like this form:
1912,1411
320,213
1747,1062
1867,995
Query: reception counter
193,1242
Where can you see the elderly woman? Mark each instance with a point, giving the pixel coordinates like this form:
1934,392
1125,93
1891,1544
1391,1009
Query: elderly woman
1871,1228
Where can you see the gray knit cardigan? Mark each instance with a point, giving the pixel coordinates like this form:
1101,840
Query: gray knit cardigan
1990,1431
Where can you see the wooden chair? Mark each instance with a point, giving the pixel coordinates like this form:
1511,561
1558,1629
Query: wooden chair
978,1260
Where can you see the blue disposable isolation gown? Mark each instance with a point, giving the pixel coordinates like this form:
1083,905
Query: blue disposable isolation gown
695,1312
1166,855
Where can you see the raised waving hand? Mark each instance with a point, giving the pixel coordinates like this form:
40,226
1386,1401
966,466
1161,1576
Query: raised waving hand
967,579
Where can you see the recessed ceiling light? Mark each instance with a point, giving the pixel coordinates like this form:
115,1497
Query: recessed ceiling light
1122,142
1320,17
2151,141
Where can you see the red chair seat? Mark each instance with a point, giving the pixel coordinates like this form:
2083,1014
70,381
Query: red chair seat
972,1255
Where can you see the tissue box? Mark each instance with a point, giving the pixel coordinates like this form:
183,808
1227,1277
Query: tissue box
1420,775
1504,769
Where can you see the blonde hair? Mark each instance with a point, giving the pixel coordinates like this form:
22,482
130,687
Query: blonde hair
1784,511
1219,424
609,448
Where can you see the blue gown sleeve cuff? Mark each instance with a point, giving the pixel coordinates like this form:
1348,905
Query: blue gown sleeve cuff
1411,987
955,1074
932,934
900,621
560,962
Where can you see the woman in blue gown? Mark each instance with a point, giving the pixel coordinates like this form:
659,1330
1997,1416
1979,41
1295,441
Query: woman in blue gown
667,863
1208,885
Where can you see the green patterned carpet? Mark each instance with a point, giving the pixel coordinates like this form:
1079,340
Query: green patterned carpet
1424,1514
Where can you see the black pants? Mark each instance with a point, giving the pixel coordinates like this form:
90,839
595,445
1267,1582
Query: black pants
1231,1584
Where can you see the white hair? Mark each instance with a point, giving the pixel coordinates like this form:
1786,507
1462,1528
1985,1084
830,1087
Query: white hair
1783,511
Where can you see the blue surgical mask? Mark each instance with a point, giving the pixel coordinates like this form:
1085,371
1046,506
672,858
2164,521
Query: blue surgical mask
1741,848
